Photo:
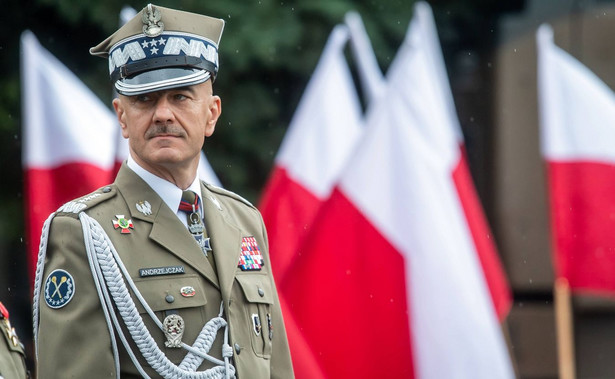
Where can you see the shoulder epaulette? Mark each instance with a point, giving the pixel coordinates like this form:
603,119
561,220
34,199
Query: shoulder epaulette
89,200
225,192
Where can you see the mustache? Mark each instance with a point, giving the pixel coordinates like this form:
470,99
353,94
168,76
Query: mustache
165,129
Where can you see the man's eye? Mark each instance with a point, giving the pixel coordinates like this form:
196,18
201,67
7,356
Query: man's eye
180,96
143,98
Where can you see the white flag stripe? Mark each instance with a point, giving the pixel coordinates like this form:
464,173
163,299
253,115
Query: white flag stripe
54,131
428,43
577,108
326,124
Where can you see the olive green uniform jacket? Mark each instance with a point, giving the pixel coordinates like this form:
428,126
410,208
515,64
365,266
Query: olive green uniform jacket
12,357
74,341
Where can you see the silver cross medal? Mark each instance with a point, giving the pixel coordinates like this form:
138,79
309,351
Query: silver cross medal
196,227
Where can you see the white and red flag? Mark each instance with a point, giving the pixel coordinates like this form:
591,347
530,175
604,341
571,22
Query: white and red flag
391,283
72,143
439,124
320,137
577,120
69,138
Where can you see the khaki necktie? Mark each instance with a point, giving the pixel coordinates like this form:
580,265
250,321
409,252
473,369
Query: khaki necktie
190,205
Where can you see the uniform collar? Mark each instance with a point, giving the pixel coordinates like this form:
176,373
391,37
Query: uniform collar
168,192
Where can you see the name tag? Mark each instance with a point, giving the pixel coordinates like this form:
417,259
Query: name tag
157,271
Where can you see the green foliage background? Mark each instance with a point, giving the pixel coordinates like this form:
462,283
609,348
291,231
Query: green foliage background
267,53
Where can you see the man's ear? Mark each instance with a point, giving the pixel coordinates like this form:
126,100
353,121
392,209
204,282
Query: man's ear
121,115
215,109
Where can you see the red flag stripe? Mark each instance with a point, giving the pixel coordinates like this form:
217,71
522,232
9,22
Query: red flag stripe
48,189
288,209
483,239
355,316
583,217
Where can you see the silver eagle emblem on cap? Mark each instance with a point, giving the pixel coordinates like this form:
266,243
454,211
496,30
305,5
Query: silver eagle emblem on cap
152,26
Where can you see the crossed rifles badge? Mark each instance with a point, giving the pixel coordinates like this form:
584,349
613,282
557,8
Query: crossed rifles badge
59,288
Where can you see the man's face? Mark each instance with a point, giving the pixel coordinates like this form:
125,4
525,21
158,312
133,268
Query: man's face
166,129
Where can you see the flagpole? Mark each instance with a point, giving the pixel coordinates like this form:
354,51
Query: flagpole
565,329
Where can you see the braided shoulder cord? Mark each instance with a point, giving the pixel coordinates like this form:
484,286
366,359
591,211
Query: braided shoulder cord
106,266
38,279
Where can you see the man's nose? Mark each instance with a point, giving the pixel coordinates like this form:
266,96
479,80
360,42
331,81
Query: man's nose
163,112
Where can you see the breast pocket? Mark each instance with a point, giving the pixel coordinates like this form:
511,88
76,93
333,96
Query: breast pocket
259,296
171,292
176,294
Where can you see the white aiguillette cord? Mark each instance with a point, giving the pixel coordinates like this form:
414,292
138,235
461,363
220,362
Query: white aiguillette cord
107,268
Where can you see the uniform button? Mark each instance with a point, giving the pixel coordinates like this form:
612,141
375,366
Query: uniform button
261,292
169,298
237,348
106,189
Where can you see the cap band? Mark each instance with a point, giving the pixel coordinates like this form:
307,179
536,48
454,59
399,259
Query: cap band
140,53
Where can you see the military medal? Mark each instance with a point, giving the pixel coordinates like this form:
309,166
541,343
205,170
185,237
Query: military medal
173,329
250,258
256,324
123,224
196,227
270,326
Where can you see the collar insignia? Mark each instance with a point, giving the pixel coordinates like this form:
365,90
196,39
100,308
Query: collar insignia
144,207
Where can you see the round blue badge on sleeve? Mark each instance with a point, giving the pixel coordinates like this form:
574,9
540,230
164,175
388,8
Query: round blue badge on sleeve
59,288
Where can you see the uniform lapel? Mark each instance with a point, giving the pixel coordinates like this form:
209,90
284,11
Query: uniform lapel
225,240
167,230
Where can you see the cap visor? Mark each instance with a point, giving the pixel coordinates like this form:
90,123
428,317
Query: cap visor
161,79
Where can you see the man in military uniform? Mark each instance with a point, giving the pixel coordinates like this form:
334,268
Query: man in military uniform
12,356
159,274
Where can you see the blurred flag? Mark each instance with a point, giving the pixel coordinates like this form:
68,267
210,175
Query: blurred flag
439,124
391,283
322,133
72,142
577,119
70,138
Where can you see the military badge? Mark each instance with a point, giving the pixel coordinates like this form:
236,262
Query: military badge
152,26
59,289
173,329
6,324
144,207
256,324
250,258
270,326
123,224
187,291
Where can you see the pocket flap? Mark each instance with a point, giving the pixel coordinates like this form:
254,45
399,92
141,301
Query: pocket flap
256,288
164,293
